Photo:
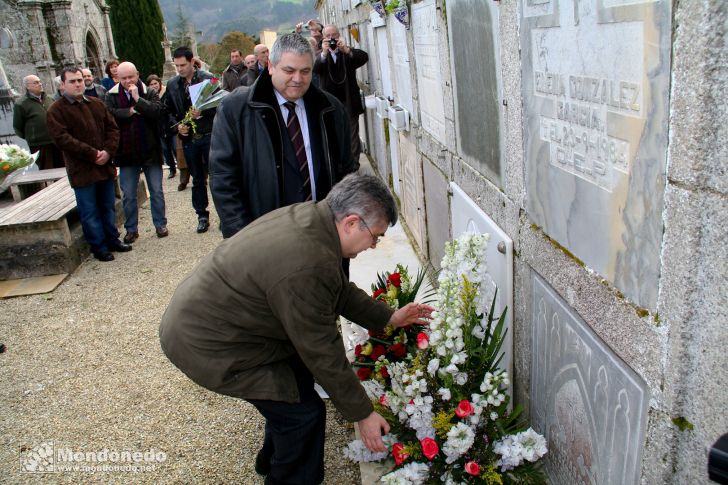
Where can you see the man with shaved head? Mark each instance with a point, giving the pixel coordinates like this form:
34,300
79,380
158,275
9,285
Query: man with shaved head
261,53
136,109
29,122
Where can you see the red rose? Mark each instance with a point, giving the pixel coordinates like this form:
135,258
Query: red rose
395,279
357,350
384,373
399,350
429,448
422,341
464,409
378,351
472,468
383,400
399,454
363,373
377,293
214,80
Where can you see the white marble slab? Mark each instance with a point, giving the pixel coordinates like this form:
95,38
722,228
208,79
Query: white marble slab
428,64
595,91
401,64
498,257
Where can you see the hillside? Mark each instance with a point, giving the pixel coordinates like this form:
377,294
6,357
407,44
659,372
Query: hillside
217,17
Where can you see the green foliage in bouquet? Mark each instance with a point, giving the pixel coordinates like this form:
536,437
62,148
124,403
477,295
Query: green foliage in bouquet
372,357
12,158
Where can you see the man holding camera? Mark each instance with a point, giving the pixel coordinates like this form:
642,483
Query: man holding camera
336,65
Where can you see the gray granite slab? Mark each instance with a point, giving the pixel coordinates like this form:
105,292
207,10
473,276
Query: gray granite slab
474,54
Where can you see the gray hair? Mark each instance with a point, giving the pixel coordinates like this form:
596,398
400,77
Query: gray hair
365,195
295,43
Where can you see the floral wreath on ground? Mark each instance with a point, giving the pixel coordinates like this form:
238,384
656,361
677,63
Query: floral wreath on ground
447,404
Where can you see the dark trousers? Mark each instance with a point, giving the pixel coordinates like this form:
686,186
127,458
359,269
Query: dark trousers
355,140
167,143
197,153
96,210
295,434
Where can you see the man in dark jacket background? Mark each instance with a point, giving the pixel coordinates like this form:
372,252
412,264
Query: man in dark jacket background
234,72
137,110
29,123
196,143
87,135
269,327
279,142
336,66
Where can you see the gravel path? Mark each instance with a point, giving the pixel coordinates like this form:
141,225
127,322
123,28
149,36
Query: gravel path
83,369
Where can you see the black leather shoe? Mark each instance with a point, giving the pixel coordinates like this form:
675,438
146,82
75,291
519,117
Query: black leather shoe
130,237
262,466
172,174
104,256
203,225
181,187
120,247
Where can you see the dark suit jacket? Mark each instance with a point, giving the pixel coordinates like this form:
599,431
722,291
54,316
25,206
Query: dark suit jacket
339,78
249,77
279,288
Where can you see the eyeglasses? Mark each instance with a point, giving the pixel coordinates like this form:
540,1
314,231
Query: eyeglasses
375,240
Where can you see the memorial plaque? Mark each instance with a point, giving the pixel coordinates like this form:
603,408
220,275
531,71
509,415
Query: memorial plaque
413,191
595,93
383,57
590,406
402,71
475,58
428,62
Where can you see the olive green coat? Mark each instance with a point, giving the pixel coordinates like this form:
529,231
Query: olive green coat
272,291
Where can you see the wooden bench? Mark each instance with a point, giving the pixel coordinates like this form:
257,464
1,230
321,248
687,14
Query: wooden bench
16,180
42,234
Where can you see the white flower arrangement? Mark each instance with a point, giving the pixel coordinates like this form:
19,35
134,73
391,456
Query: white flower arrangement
448,403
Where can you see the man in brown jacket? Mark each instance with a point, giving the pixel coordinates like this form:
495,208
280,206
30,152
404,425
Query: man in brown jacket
87,135
268,327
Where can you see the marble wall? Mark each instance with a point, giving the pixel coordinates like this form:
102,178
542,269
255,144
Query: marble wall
603,156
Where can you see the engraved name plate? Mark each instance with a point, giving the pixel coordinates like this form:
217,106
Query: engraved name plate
595,92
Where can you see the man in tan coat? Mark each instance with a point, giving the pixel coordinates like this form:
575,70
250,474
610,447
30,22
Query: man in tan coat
257,320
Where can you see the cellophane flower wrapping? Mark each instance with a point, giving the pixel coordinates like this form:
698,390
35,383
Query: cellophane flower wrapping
12,159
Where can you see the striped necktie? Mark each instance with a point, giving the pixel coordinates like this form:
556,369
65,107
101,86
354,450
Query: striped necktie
294,131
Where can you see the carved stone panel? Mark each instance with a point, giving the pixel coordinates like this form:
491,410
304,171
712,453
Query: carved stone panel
475,57
591,407
428,63
595,95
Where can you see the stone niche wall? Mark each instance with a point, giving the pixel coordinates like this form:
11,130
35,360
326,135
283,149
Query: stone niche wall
611,182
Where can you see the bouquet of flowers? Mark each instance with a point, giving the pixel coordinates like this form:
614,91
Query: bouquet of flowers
12,158
376,351
205,95
447,405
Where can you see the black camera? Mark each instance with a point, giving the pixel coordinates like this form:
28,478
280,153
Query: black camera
332,44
